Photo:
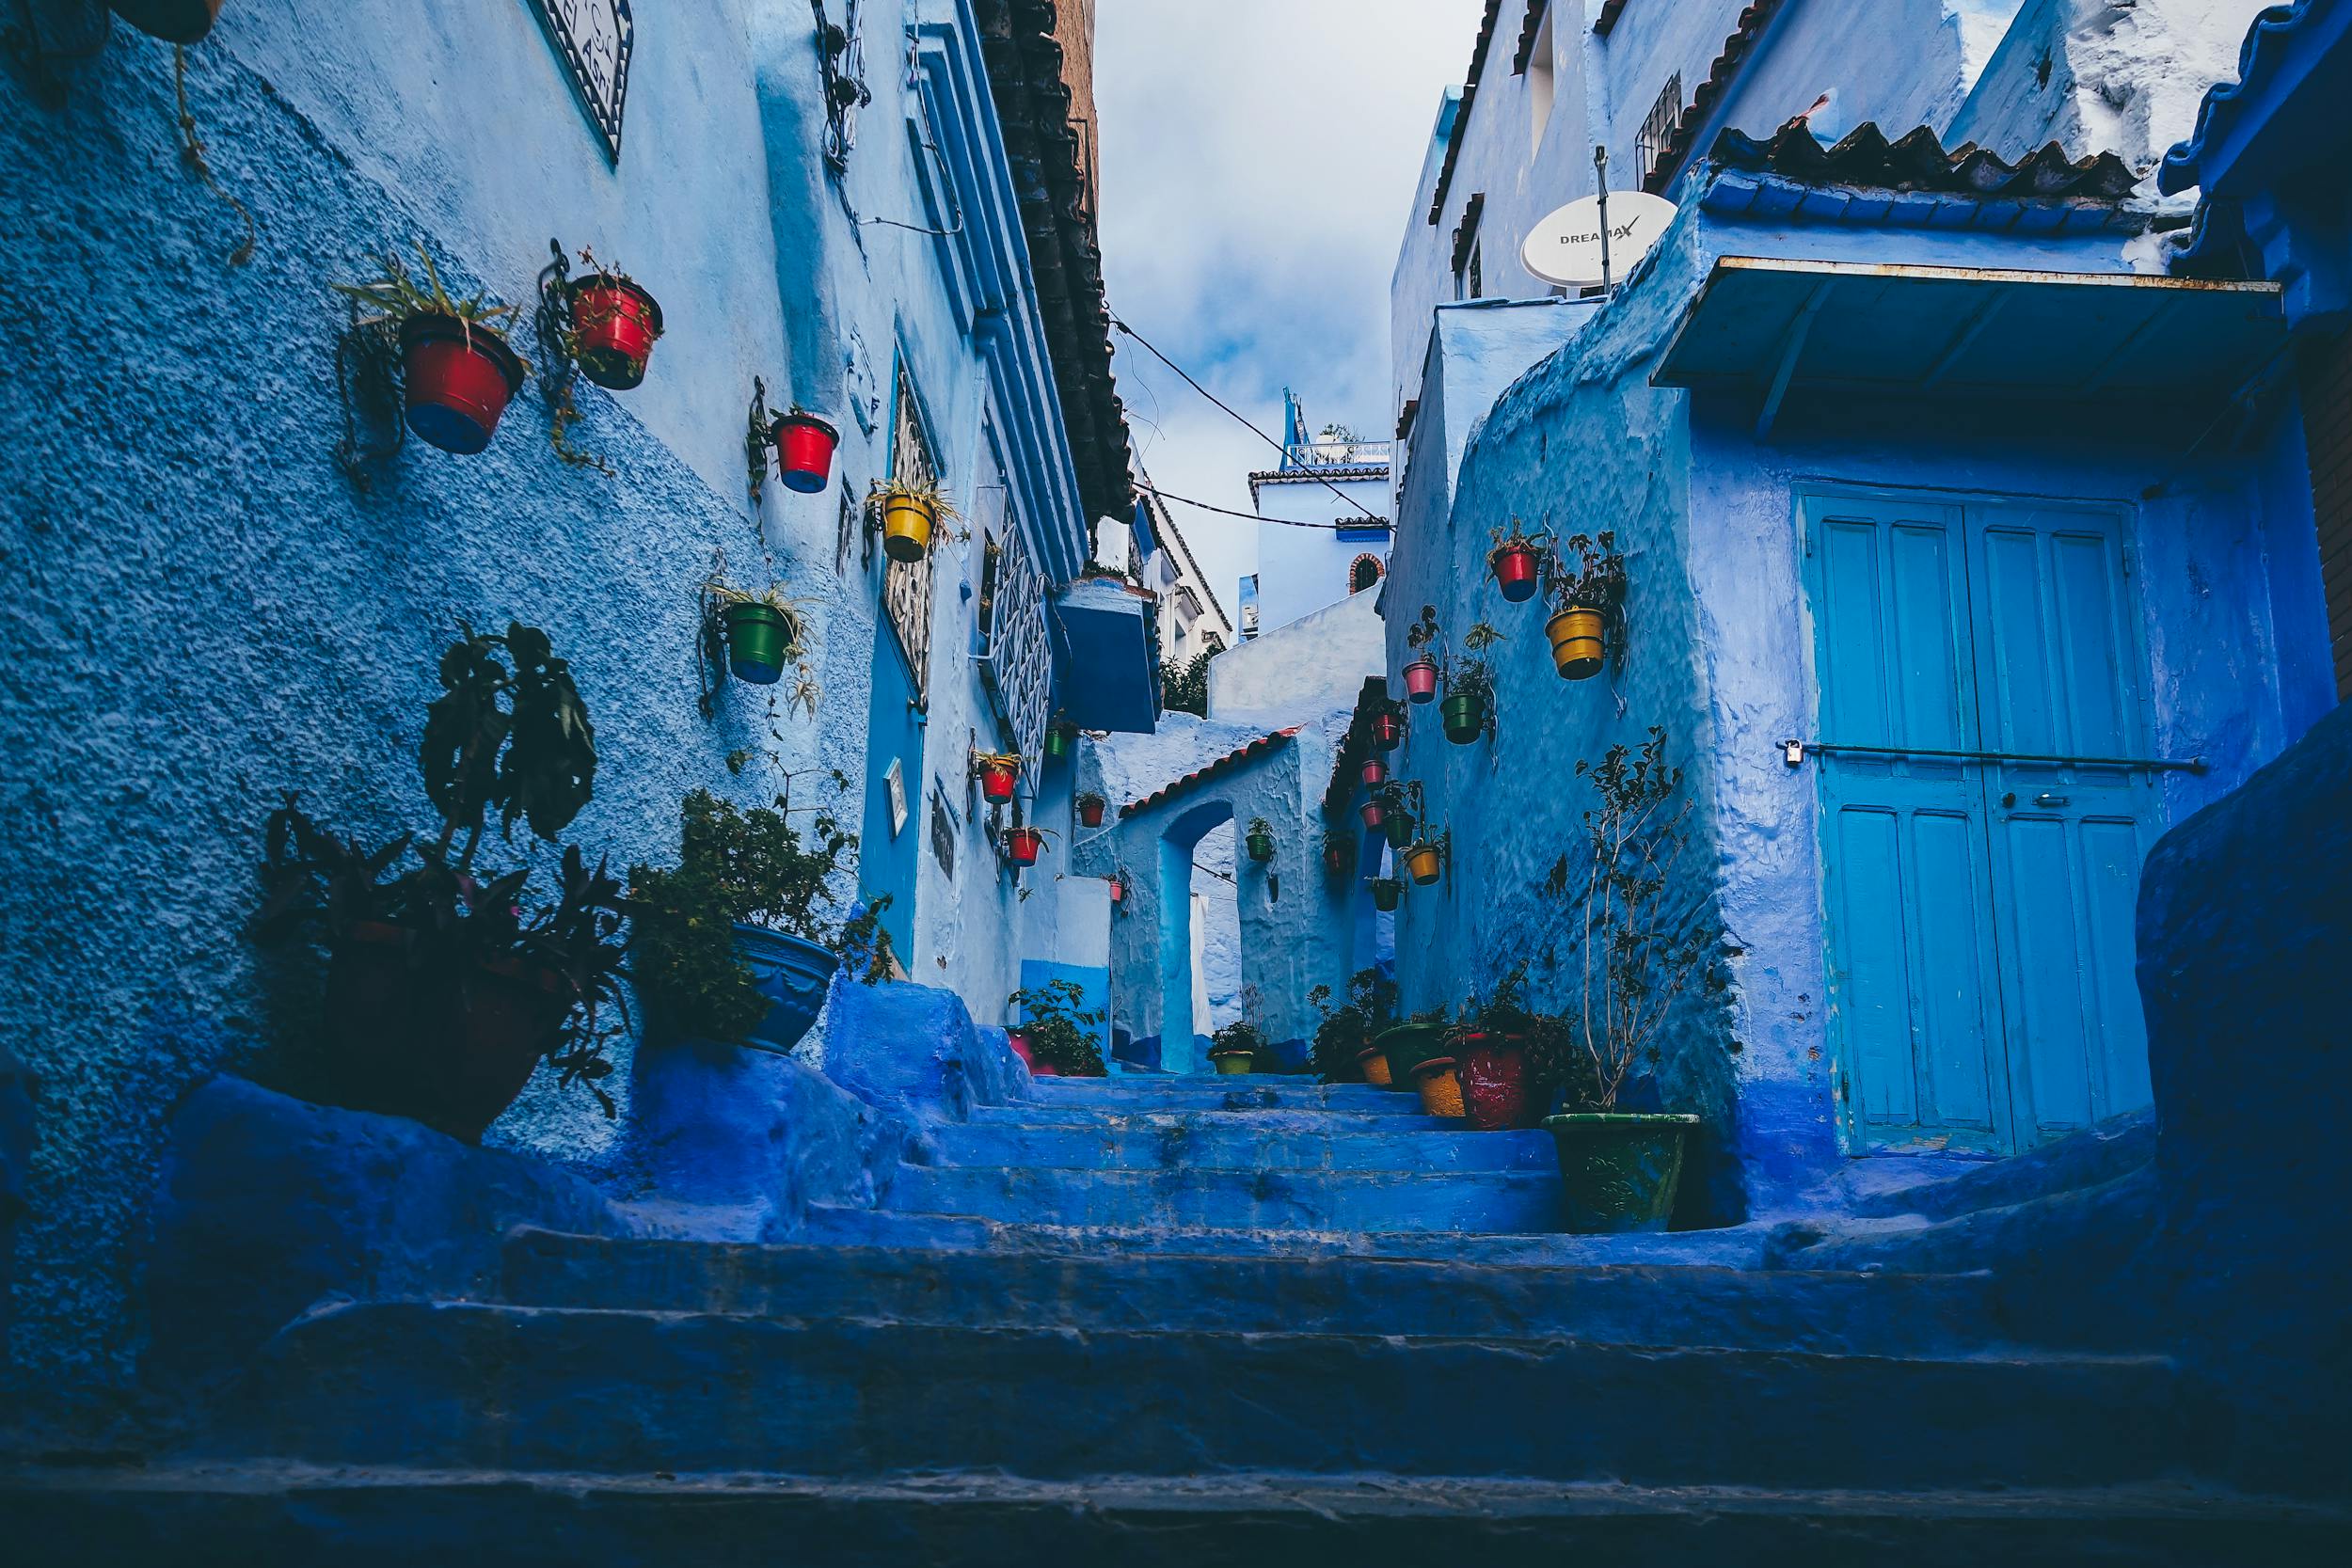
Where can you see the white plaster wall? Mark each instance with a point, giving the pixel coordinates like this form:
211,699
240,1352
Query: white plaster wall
1300,570
1295,671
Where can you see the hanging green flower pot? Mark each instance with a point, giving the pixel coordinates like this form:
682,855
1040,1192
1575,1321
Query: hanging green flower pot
1261,847
1060,740
1387,891
1398,824
1465,717
759,636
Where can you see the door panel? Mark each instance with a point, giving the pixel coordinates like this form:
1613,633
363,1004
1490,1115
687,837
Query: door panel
887,847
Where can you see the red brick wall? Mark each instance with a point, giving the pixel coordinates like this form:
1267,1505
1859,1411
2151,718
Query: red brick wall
2328,429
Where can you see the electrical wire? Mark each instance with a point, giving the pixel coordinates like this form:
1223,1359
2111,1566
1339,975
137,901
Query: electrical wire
1244,424
1254,517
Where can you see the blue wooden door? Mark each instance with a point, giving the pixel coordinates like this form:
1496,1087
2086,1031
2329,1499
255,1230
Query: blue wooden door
1978,906
889,841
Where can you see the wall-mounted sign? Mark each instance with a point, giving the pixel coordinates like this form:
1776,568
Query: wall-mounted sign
596,39
1565,249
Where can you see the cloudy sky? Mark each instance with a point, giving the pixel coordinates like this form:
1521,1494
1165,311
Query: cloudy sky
1258,157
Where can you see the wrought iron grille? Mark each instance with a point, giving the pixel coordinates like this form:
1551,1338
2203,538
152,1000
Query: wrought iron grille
1019,668
907,584
1658,129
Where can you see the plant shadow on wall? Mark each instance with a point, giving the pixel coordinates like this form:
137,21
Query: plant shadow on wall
449,981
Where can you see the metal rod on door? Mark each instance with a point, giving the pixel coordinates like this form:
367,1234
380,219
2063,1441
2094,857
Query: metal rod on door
1793,752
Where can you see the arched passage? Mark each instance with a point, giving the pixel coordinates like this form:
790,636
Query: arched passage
1180,840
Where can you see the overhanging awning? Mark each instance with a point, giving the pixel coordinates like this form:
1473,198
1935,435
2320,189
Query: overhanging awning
1107,668
1775,326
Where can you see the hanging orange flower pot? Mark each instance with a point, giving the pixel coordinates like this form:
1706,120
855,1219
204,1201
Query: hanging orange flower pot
1426,861
1578,643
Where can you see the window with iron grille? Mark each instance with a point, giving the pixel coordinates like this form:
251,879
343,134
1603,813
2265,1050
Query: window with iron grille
1657,130
1018,668
907,584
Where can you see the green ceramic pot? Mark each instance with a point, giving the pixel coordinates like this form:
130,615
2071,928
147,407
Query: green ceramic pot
1398,825
1619,1169
757,635
1261,847
1409,1045
1464,717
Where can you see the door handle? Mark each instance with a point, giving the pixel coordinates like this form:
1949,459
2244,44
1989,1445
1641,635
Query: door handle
2047,801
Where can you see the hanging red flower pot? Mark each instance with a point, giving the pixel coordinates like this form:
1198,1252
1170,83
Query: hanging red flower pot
1388,731
1023,844
173,21
1420,679
1090,810
1516,567
1119,893
998,776
1376,773
458,379
614,322
1373,812
1338,855
805,448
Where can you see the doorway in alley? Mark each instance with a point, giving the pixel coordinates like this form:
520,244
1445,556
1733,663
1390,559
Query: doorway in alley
1987,795
1199,956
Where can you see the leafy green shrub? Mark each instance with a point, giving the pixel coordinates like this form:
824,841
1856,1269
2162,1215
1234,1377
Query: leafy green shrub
1059,1033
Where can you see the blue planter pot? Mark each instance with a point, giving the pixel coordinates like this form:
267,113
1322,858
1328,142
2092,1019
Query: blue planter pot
792,973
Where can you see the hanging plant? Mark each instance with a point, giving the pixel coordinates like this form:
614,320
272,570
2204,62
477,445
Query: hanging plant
1426,860
1090,809
1588,602
1260,840
173,21
997,771
804,446
458,372
1397,815
1061,738
1388,729
1516,561
1376,773
1387,893
615,325
1373,812
1421,674
1024,844
912,512
1339,853
1468,707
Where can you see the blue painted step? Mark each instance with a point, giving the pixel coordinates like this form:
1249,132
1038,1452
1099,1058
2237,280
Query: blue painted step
1208,1092
466,1386
1293,1120
1233,1143
1242,1200
1862,1313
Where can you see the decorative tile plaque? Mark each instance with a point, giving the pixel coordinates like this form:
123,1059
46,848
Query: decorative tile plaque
596,37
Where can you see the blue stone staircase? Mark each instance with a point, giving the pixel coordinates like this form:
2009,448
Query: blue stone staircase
1192,1321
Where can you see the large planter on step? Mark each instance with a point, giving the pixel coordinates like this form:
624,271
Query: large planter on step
1233,1062
792,973
1371,1065
173,21
1497,1096
1438,1080
453,1056
1406,1046
1619,1170
456,380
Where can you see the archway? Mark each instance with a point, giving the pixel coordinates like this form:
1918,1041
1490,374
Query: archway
1179,843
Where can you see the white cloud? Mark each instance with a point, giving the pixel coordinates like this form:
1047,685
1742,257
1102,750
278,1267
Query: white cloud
1258,157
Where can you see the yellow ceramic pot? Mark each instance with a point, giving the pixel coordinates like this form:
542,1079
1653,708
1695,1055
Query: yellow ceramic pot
1578,644
1424,863
1373,1062
1440,1086
907,524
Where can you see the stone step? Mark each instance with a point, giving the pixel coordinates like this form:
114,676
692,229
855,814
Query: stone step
1449,1201
1209,1092
1216,1141
1262,1119
469,1384
829,1225
267,1514
1879,1314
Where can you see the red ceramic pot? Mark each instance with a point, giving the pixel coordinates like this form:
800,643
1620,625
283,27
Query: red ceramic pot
1420,679
805,448
1045,1069
1023,845
1515,573
1119,893
1388,732
1090,812
1335,859
615,324
1376,773
173,21
996,781
459,380
1495,1091
1372,814
453,1056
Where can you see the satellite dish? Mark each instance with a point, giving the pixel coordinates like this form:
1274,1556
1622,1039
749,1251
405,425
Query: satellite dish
1565,248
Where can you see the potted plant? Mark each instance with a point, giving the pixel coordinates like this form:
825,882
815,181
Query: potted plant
1468,709
1424,860
1421,674
1090,809
173,21
1396,817
1343,1052
762,632
997,772
1388,729
615,325
1339,853
1024,843
1588,601
1373,812
1516,561
1406,1045
1061,738
1376,774
1235,1048
1621,1169
1387,893
1058,1038
448,983
457,373
1437,1079
911,511
805,446
1260,840
1496,1043
734,944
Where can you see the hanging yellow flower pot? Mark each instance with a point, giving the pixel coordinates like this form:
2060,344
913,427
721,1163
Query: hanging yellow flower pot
1578,643
908,522
1424,860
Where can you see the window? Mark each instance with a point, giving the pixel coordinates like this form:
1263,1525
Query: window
1363,572
1016,660
1540,85
907,584
1658,129
1470,280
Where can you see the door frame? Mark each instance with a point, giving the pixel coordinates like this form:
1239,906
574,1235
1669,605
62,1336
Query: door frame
1853,1139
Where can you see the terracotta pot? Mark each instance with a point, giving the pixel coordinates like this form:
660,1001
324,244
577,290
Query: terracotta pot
456,380
1388,731
1023,845
1387,893
1420,679
1426,863
1514,568
1465,718
453,1056
1376,773
907,524
614,322
1496,1094
1373,1062
805,448
1578,643
1090,812
1372,814
1440,1086
173,21
996,781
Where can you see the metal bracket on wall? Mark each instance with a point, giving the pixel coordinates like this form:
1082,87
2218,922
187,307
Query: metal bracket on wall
758,437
